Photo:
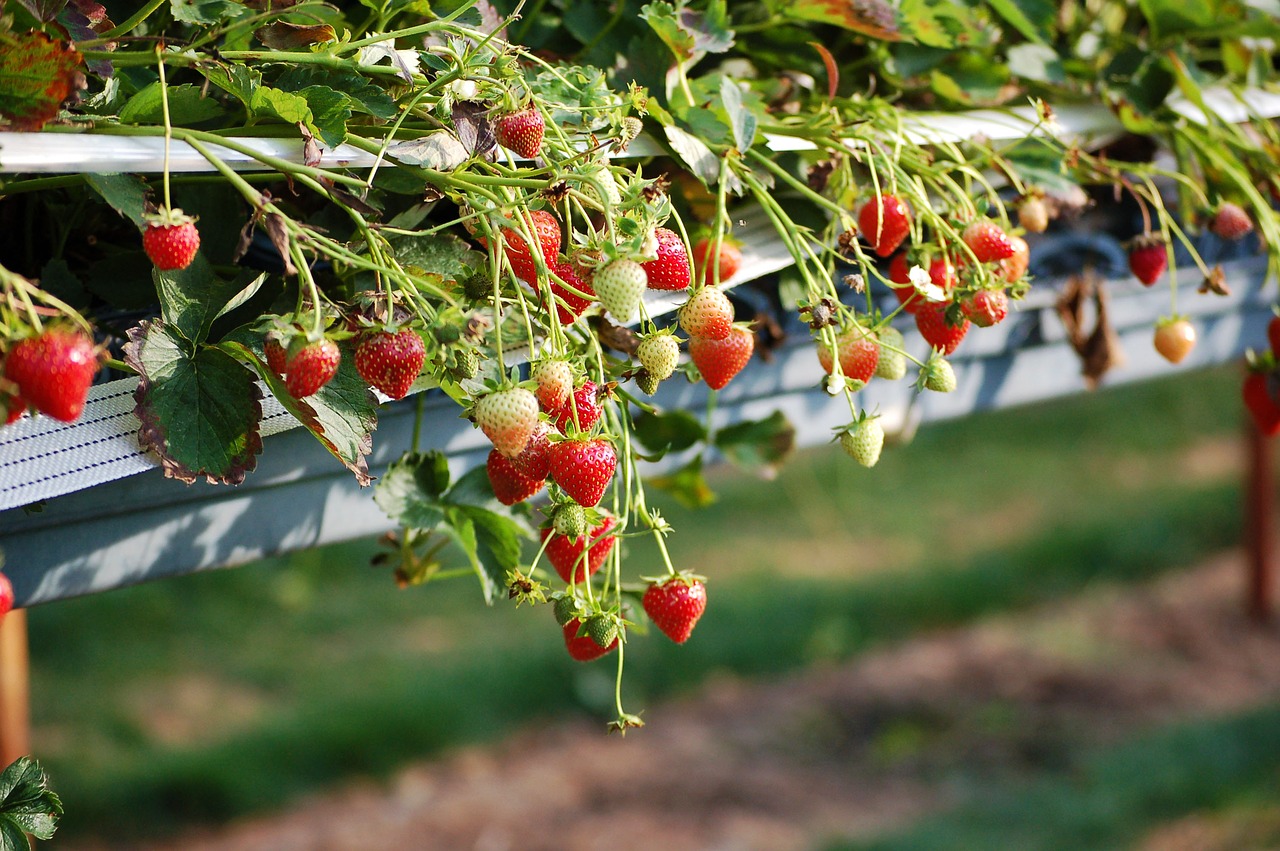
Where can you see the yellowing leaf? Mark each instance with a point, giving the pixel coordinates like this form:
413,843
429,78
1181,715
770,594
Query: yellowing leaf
874,18
282,35
36,75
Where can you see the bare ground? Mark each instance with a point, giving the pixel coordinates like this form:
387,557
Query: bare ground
848,750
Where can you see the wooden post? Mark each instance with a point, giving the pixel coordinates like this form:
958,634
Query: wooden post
15,691
1259,528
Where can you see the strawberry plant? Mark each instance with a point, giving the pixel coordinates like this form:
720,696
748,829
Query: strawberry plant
461,218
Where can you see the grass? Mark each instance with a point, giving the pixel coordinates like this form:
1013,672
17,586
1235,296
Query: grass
209,696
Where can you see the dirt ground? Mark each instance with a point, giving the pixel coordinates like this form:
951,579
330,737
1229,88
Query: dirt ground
848,750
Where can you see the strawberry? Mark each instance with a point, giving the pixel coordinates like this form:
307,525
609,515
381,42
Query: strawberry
720,360
53,371
892,363
546,230
311,367
275,353
569,519
988,241
12,406
939,376
675,605
1148,259
1231,222
603,630
582,647
1013,267
1174,338
521,132
647,383
391,362
566,552
586,403
508,418
6,595
534,461
863,441
932,322
708,313
1033,215
884,222
583,469
570,305
1262,406
985,308
670,269
942,274
620,286
509,484
858,352
171,240
659,354
728,261
555,383
1273,335
567,608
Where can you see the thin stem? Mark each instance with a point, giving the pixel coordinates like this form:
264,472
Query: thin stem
168,127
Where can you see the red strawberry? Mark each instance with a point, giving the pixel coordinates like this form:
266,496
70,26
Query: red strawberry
988,241
942,274
728,262
1174,338
1013,267
1231,222
534,461
171,240
276,354
583,648
1148,259
1273,335
985,307
720,360
508,418
583,468
586,402
675,605
708,313
53,371
565,553
858,352
311,368
509,484
1263,408
555,383
884,222
569,306
670,269
931,320
521,132
391,362
546,230
6,595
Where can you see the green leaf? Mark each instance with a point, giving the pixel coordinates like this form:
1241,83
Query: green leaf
341,415
363,95
1039,165
758,444
330,112
1169,18
125,193
498,546
238,80
1013,13
686,485
206,11
740,118
27,804
671,431
1036,62
443,258
191,298
200,410
411,490
187,105
273,103
696,155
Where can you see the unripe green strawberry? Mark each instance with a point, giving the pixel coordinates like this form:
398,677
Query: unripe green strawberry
708,313
893,362
582,647
659,354
620,286
566,609
508,418
555,383
603,630
466,363
570,520
939,376
647,383
864,441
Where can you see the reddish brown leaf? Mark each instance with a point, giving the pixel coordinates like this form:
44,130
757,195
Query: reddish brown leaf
833,72
36,75
282,35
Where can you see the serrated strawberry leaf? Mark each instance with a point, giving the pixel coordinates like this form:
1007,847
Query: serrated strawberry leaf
199,407
125,193
36,75
758,444
363,95
27,805
188,105
700,159
330,112
206,11
191,298
411,489
669,431
342,415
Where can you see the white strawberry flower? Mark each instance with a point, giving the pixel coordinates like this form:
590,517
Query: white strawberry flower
919,277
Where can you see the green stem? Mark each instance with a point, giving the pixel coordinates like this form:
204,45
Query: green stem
133,20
